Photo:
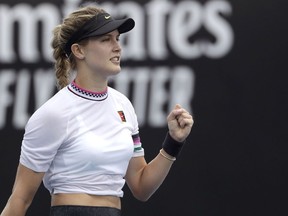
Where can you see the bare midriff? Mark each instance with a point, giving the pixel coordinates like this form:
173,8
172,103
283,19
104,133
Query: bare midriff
85,200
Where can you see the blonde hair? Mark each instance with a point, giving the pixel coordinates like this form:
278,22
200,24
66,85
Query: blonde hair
64,65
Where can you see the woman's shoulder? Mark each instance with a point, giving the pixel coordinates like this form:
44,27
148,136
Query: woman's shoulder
117,94
53,108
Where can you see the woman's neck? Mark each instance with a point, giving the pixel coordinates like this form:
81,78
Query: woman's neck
93,85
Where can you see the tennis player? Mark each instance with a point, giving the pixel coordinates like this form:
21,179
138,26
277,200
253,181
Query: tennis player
84,142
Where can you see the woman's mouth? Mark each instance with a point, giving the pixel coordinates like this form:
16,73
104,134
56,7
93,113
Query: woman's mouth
115,59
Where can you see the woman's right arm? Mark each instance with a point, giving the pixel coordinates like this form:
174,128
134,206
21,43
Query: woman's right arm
25,186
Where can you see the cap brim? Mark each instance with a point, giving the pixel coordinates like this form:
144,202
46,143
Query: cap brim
122,25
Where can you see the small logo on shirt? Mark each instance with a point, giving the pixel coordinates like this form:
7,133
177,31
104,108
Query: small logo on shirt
122,116
107,17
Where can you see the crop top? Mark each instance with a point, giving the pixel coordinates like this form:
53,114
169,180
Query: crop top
83,141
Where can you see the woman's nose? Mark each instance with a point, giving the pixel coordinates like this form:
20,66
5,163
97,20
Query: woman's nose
117,46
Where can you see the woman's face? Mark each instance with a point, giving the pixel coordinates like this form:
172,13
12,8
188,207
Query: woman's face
102,54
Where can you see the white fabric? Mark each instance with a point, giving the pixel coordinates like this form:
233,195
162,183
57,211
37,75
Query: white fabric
81,144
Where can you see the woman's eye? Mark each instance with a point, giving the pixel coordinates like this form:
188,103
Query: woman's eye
109,38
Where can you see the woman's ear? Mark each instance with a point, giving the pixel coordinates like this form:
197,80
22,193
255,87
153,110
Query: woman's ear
77,51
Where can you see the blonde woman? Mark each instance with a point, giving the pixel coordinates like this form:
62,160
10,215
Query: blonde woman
84,142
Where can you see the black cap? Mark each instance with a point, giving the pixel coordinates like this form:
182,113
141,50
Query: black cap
100,24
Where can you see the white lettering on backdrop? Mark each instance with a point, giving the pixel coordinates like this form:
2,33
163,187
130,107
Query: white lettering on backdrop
163,28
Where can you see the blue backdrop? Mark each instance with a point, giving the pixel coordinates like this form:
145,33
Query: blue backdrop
224,61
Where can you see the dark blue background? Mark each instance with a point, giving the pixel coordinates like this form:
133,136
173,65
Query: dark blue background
235,161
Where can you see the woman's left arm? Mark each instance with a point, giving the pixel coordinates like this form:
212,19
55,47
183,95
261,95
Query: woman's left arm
144,179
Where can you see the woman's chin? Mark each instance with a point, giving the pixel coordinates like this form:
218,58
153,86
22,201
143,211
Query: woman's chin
115,70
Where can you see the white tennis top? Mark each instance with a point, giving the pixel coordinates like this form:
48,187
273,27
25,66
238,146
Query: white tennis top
83,141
